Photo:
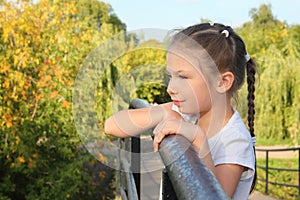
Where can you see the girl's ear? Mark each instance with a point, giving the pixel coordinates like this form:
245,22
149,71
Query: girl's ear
225,82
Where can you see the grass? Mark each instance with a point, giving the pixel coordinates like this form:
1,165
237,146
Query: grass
287,177
272,142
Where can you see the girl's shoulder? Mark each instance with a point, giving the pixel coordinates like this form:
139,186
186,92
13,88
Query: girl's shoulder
234,133
233,144
235,128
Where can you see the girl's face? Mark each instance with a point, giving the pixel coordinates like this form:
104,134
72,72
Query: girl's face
187,87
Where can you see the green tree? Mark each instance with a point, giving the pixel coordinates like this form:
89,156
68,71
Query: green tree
275,46
99,13
263,30
137,73
42,47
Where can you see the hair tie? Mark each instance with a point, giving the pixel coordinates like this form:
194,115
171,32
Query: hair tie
253,139
247,57
226,32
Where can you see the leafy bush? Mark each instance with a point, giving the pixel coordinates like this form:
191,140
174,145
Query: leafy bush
42,47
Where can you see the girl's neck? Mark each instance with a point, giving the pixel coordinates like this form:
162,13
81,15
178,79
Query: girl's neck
213,121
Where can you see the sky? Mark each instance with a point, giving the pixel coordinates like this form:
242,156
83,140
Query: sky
172,14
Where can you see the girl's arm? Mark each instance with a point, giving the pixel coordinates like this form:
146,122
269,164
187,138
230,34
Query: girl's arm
128,123
227,174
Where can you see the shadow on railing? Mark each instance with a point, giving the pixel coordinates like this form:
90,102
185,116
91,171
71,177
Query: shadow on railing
185,175
267,169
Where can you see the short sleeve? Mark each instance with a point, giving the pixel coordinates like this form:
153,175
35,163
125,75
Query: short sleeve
237,151
233,145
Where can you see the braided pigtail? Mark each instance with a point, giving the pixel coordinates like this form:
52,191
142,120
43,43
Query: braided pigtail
251,71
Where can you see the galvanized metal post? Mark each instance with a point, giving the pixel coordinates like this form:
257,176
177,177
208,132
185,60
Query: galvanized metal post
136,148
136,162
299,172
267,172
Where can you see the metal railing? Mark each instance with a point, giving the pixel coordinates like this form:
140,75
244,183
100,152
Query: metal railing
185,176
128,182
267,169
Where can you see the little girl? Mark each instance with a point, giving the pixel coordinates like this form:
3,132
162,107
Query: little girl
206,64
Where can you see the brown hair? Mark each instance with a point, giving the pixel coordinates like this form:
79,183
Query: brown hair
228,52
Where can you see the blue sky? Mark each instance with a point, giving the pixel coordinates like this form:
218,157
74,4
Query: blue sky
170,14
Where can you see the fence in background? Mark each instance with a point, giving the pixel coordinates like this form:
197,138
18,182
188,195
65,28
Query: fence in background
267,169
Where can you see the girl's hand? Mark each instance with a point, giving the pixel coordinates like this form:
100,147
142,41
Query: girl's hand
174,126
169,113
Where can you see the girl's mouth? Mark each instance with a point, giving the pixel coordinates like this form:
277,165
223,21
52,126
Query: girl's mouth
177,103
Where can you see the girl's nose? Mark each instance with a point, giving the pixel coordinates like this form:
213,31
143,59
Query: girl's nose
171,89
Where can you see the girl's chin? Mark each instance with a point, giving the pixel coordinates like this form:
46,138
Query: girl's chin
187,111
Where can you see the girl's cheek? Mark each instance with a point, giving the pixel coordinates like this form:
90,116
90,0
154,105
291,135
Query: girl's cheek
178,84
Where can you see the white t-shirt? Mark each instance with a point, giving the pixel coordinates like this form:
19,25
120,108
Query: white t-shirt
232,145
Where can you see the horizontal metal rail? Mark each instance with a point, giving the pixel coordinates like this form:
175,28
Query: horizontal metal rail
279,169
279,149
138,103
189,175
277,183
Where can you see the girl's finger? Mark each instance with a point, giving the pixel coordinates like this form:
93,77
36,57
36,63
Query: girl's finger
158,137
155,146
159,127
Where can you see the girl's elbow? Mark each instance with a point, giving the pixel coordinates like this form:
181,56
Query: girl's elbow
108,127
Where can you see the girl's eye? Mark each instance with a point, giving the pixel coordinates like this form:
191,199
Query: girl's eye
169,76
182,77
